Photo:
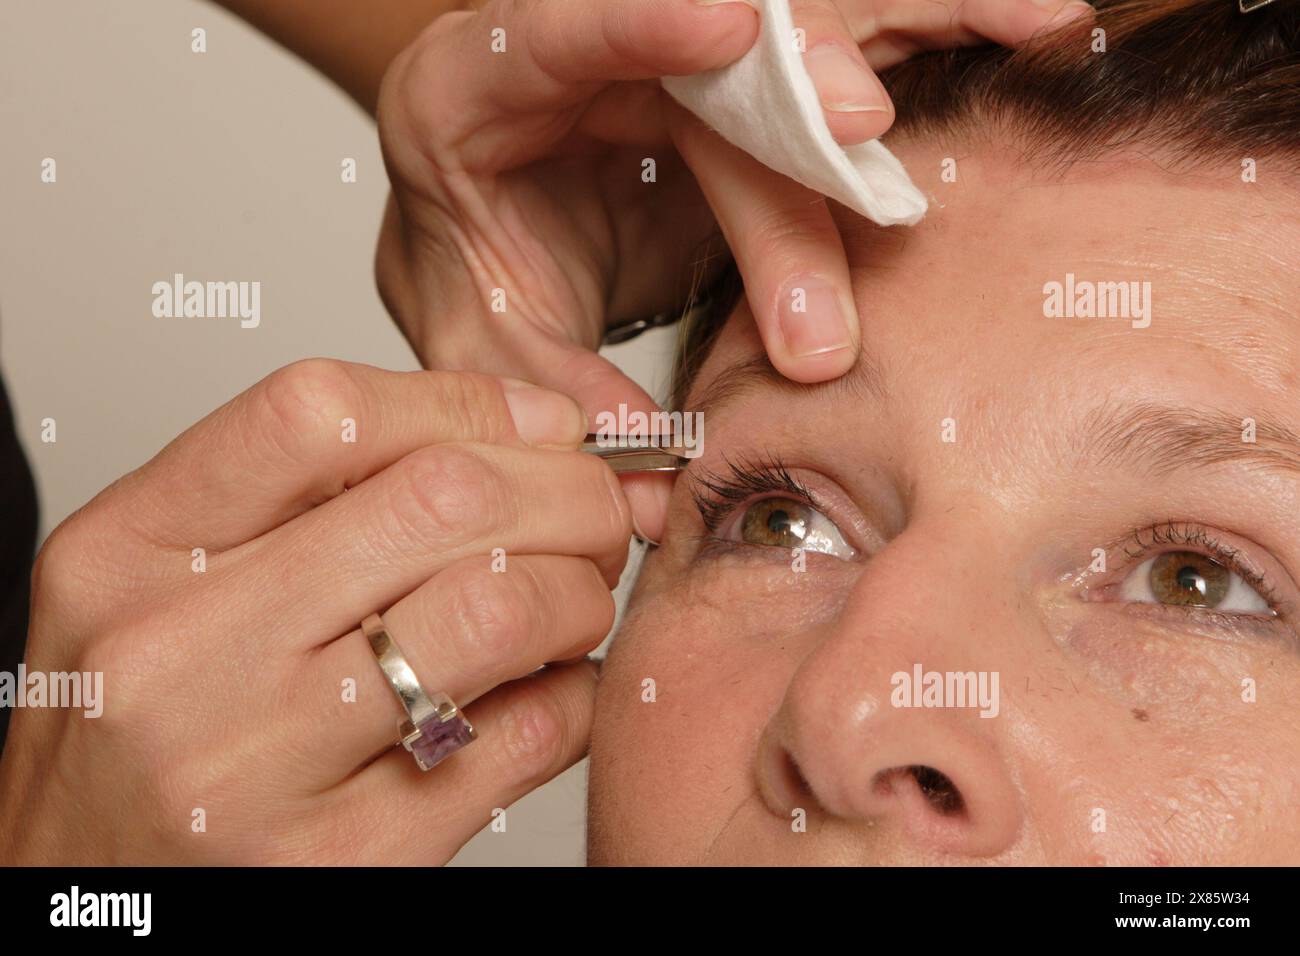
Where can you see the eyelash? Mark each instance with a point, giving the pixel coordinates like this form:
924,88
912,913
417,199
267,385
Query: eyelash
717,496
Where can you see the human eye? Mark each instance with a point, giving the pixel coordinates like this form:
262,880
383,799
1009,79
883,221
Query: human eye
1192,579
758,503
1185,568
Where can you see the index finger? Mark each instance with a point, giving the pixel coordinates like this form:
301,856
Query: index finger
313,429
892,30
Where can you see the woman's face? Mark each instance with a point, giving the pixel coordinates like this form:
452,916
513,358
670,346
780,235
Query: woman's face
1091,525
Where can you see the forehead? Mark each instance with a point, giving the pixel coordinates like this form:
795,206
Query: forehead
1194,279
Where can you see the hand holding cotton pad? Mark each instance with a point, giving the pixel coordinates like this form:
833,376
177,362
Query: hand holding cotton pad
765,103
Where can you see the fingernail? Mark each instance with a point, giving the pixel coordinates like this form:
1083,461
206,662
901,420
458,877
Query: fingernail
648,495
811,318
641,535
843,83
578,659
710,3
543,417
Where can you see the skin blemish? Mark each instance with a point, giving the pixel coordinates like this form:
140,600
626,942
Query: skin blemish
1140,715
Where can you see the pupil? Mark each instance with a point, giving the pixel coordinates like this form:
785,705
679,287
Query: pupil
778,521
1190,579
775,522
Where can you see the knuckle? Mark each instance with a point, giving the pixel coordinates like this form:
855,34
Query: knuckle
131,706
473,402
778,228
492,616
397,91
671,32
60,570
447,491
820,21
428,54
414,89
306,403
689,48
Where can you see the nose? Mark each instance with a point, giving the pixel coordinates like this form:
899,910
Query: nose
850,741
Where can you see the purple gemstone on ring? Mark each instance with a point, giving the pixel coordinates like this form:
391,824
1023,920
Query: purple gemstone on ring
438,739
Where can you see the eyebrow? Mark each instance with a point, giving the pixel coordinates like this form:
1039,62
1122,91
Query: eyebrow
1151,437
1164,438
864,383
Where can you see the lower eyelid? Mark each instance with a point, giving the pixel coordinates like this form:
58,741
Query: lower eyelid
711,548
1212,624
1204,622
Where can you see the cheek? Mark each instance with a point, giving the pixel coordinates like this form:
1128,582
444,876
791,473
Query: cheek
1195,774
1212,798
684,695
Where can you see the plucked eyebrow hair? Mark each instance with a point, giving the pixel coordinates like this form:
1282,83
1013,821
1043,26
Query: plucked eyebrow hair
1148,437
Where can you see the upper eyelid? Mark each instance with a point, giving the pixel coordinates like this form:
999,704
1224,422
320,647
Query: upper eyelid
1190,535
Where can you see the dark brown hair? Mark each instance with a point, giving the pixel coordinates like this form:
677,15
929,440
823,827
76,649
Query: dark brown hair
1187,82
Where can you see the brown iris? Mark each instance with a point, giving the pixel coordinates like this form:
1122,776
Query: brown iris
1189,579
776,522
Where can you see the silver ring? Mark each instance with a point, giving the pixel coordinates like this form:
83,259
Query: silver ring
435,728
699,303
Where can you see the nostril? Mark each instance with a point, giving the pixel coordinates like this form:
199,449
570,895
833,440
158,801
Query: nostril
939,790
794,776
940,793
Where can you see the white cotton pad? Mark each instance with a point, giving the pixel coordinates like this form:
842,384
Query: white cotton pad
766,104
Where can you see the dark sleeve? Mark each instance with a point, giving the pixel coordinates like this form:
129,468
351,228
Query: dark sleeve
18,524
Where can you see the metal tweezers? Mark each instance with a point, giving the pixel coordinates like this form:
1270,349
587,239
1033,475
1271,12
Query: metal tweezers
622,457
